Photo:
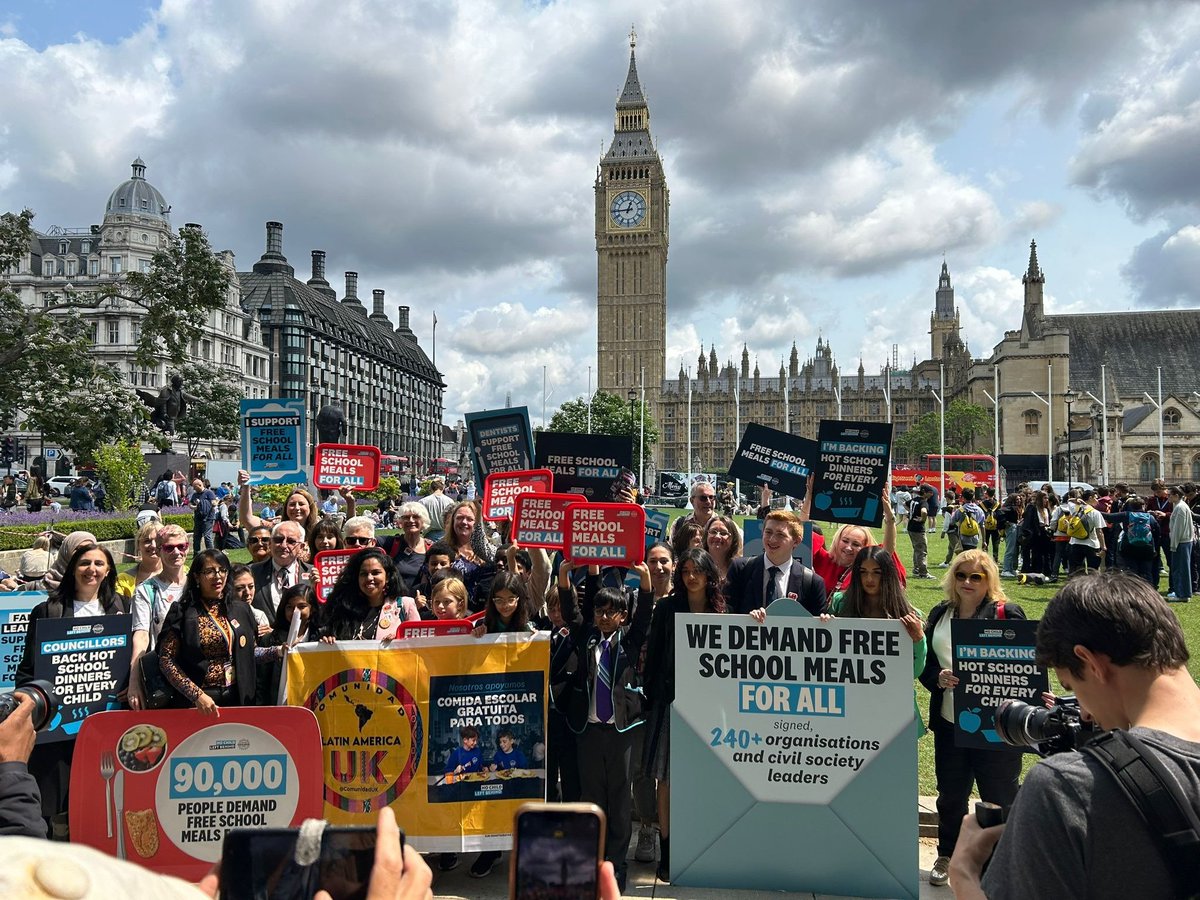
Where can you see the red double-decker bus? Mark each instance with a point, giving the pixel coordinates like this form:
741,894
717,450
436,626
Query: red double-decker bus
962,470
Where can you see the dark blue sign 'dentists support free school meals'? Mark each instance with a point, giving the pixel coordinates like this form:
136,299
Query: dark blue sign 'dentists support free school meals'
851,472
273,441
501,441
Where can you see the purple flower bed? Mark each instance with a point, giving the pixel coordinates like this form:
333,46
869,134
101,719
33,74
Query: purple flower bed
48,516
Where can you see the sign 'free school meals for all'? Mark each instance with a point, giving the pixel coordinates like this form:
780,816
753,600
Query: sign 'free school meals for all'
501,490
607,534
338,466
539,520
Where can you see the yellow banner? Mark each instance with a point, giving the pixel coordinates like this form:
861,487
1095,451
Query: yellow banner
448,731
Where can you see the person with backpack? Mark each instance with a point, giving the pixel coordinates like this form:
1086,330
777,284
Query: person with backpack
1135,549
967,523
1060,533
991,522
1085,531
165,492
204,515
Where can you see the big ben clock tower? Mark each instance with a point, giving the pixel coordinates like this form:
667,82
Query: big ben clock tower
632,205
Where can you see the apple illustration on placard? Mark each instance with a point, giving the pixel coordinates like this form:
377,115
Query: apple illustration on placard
969,720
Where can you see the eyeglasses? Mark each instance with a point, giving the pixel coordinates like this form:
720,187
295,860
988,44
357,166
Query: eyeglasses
359,541
973,577
174,548
213,573
707,498
291,542
607,613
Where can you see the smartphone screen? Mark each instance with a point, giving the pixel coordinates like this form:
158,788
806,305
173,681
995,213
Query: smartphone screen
259,864
557,854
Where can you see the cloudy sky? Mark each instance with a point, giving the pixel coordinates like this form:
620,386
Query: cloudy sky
822,158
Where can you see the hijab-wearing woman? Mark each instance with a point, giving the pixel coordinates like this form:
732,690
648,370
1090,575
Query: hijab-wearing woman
53,578
86,587
208,647
355,609
973,591
695,590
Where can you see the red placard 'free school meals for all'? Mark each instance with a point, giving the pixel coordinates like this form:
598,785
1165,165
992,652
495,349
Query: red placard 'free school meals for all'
501,490
337,466
329,565
606,534
540,520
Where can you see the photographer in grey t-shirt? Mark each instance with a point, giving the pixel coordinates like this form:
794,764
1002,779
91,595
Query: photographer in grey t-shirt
1072,832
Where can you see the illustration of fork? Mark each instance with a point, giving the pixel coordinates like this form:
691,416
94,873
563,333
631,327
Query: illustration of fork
108,768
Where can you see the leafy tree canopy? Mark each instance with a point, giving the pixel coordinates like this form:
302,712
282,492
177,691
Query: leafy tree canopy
968,430
611,414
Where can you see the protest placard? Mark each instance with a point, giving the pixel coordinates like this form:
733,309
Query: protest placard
606,534
851,472
417,726
774,459
994,660
184,779
657,522
795,726
539,520
598,466
14,621
273,441
87,662
337,466
501,490
500,441
329,565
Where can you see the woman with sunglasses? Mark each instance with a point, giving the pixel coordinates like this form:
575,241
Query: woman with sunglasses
152,600
973,591
209,647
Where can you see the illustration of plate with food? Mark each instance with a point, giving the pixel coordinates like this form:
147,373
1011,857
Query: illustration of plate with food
142,748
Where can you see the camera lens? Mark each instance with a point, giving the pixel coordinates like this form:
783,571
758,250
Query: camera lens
1023,725
45,703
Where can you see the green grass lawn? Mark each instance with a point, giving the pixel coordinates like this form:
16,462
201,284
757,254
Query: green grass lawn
925,595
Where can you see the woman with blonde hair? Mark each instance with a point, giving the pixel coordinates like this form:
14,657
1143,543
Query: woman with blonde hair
973,591
148,565
300,506
473,553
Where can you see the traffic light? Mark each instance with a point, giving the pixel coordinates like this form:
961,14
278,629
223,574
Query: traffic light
8,447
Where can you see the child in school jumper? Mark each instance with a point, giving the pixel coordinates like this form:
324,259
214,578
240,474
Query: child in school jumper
604,715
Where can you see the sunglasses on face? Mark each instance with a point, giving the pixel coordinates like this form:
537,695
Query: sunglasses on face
359,541
291,542
259,540
175,548
973,577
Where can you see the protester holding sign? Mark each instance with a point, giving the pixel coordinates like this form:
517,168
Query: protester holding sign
875,592
88,588
364,598
209,645
833,563
694,589
473,554
973,591
300,506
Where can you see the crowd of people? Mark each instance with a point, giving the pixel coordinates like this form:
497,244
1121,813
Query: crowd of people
211,634
1037,536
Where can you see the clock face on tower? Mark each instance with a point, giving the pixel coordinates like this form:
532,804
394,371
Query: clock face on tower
628,209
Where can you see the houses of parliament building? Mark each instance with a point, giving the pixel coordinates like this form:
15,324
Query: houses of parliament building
1104,368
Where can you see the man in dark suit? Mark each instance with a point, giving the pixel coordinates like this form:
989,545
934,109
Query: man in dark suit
284,568
756,582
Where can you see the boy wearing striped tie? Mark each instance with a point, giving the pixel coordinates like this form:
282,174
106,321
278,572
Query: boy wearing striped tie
604,715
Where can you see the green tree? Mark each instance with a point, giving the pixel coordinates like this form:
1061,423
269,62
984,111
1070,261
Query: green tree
611,415
123,469
966,426
214,414
46,351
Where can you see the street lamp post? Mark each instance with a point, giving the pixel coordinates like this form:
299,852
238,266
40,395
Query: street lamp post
1069,397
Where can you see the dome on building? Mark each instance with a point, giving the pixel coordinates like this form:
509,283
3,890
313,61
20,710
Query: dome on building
138,196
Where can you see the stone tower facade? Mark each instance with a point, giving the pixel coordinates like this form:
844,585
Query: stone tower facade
632,216
943,321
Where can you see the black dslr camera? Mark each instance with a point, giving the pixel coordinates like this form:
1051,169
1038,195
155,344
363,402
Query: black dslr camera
1047,731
